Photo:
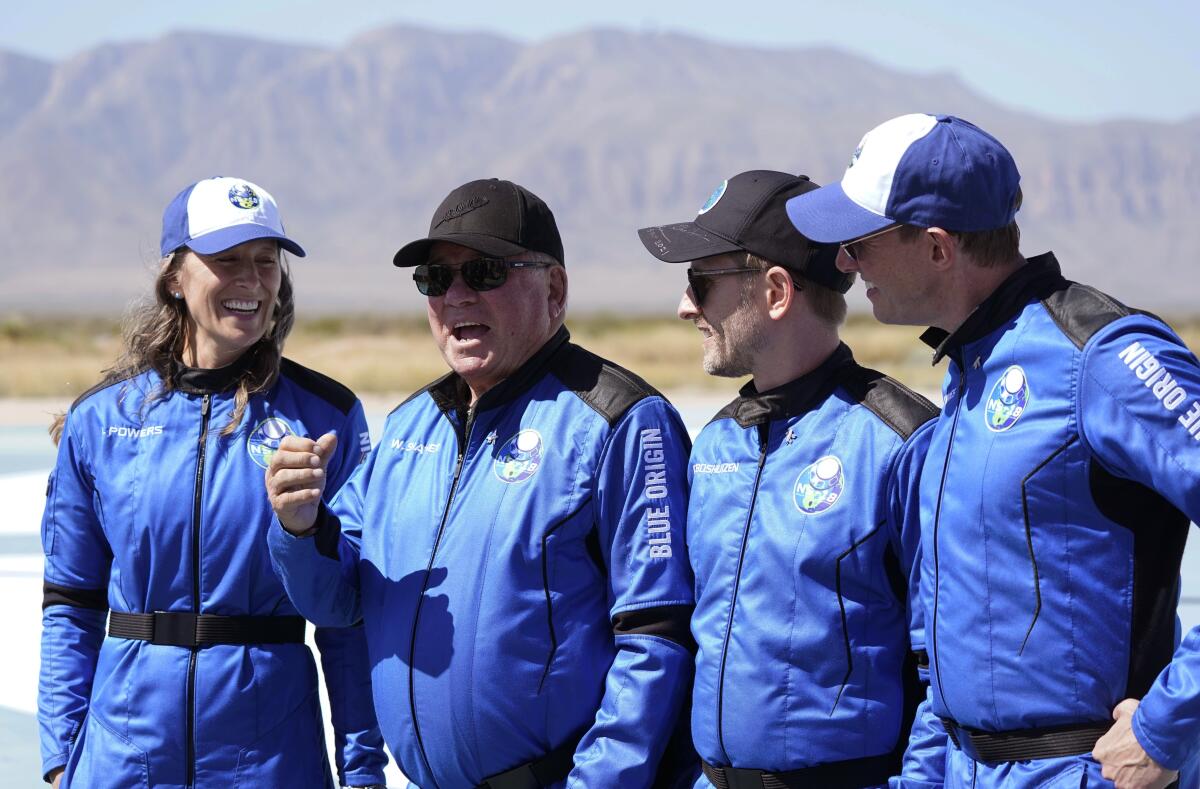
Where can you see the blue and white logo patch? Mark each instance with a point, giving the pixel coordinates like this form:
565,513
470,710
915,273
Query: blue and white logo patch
854,157
1008,400
519,458
242,196
714,197
264,440
819,485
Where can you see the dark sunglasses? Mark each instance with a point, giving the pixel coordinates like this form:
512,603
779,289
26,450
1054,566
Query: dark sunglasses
698,281
434,279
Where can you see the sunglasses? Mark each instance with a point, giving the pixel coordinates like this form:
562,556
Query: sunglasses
855,254
480,274
698,281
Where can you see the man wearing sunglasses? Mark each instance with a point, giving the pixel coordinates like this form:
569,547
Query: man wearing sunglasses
801,526
1060,479
515,545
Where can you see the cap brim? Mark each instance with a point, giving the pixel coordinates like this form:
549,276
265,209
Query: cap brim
684,242
417,252
228,237
828,216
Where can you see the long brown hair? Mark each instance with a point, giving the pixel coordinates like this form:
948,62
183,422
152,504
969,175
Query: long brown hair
153,333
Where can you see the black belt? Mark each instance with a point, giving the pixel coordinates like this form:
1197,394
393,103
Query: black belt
185,629
848,774
994,747
548,770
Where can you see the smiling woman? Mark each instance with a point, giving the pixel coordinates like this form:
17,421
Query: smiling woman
155,507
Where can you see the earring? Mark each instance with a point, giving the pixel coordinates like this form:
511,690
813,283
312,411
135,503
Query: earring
177,295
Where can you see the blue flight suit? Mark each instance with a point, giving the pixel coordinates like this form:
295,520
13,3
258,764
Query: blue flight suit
1056,496
803,532
521,571
149,508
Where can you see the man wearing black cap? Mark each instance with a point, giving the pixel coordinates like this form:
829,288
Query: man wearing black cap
801,527
515,543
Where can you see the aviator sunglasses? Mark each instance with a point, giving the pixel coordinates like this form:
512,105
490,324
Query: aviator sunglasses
855,254
698,281
480,274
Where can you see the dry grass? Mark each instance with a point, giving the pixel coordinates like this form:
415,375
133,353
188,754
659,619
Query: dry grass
57,357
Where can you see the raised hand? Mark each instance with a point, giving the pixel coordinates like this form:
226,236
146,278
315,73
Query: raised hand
296,479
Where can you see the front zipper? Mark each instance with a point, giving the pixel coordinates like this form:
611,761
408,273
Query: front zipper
763,434
464,439
937,518
197,500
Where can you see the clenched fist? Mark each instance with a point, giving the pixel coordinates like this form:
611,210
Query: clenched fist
296,480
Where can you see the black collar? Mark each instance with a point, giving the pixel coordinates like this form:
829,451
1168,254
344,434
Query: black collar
793,398
197,380
451,392
1037,279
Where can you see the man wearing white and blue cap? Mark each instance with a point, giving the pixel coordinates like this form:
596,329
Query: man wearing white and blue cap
1060,479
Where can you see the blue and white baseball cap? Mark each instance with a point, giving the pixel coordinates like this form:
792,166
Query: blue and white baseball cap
922,170
215,214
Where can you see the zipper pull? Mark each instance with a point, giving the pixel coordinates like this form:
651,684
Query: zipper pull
204,406
789,437
491,438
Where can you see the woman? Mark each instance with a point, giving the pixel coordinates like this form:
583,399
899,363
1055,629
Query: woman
156,510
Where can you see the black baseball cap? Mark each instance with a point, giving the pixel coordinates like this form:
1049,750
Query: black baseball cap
747,213
491,216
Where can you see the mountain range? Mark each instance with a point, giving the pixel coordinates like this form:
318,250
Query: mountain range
614,129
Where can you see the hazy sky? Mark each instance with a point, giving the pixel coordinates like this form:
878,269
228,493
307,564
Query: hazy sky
1064,58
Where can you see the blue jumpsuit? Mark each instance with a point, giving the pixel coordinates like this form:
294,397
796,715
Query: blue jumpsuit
802,534
521,571
150,509
1055,501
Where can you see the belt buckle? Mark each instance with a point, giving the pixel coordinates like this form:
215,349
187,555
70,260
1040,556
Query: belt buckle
174,628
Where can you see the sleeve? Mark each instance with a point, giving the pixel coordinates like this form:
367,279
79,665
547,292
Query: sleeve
924,761
75,598
641,515
358,744
1139,413
319,570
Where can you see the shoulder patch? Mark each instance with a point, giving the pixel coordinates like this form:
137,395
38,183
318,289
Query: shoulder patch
609,389
1080,311
899,407
322,386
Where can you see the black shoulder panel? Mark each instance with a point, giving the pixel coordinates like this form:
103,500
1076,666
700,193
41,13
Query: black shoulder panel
98,387
609,389
1081,311
440,390
899,407
322,386
729,411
